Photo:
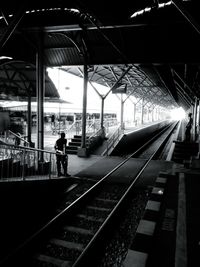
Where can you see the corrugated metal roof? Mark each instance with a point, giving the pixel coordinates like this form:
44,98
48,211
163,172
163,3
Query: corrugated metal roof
18,80
158,36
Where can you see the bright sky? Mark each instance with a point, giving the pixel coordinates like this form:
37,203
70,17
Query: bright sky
70,88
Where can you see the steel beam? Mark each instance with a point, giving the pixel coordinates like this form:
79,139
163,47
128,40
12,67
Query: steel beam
187,15
40,82
84,111
12,26
117,82
185,84
102,112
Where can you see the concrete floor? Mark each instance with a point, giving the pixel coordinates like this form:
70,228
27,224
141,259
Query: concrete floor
96,167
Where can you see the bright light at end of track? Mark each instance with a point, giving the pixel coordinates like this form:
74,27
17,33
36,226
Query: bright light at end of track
177,114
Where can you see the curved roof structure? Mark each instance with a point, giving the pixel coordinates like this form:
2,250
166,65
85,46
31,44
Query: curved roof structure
129,79
157,39
18,82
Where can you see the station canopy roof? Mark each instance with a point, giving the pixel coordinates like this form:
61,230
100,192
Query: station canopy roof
18,82
152,46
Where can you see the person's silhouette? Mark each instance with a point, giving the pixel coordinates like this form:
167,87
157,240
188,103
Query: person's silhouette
61,155
188,128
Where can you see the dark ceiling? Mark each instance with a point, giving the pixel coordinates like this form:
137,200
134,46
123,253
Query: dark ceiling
161,41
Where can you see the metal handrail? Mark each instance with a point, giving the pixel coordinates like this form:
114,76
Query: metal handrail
30,148
112,140
98,133
18,136
22,161
95,138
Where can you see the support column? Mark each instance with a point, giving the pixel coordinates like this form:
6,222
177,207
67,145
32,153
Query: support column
148,116
142,111
134,114
29,120
152,115
195,120
82,151
122,113
198,116
102,111
40,78
199,126
157,114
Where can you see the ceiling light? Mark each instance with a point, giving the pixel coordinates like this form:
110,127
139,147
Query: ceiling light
5,57
149,9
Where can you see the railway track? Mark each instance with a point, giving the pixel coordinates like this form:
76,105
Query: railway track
157,143
74,235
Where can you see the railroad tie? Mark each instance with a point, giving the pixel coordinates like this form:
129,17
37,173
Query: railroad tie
52,260
138,252
67,244
90,218
78,230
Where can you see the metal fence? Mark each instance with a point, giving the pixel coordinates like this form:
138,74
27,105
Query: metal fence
22,163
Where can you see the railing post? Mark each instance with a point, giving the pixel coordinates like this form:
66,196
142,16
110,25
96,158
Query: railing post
23,165
107,149
50,167
28,162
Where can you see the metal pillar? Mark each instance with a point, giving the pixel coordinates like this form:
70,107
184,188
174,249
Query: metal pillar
122,113
199,116
187,15
152,115
29,120
153,112
199,127
134,113
195,120
102,105
142,110
82,151
102,112
148,115
158,113
40,78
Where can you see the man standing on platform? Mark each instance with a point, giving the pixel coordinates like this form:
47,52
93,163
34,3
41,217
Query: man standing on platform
61,156
188,128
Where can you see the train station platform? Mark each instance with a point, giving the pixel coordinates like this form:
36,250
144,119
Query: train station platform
174,238
125,174
168,234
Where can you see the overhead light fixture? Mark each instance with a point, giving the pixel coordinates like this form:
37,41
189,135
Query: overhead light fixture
74,10
5,57
149,9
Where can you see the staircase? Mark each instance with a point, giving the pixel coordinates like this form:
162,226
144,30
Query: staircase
184,151
74,144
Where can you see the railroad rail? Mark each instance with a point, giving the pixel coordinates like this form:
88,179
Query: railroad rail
159,141
100,205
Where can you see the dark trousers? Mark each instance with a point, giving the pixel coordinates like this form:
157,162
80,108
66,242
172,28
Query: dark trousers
61,160
188,135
